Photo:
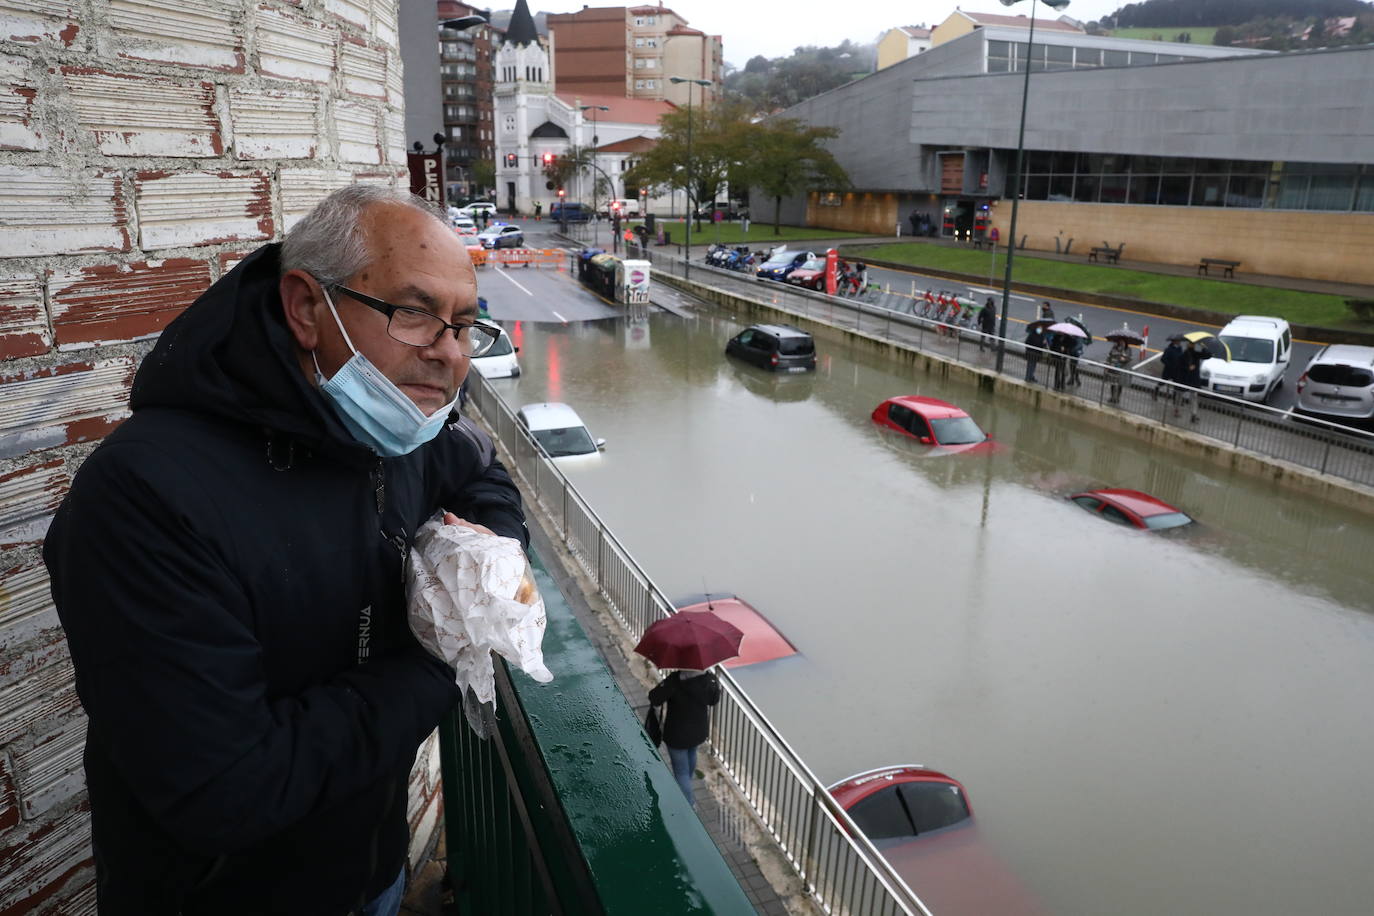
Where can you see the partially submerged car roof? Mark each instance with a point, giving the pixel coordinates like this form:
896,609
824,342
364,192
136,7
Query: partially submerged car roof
550,415
781,330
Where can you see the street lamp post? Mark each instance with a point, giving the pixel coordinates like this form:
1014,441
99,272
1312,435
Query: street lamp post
1017,177
594,109
687,268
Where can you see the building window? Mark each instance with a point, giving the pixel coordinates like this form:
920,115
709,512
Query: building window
639,42
651,84
639,63
651,42
510,123
639,84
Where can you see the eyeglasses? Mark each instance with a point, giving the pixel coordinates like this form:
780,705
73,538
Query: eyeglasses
419,328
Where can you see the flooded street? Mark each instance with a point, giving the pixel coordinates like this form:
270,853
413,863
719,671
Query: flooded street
1145,724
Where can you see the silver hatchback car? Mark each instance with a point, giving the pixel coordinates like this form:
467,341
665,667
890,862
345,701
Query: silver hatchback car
1339,382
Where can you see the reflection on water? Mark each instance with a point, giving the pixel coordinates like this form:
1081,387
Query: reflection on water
1145,724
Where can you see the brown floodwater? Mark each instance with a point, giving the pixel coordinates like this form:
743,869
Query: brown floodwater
1145,724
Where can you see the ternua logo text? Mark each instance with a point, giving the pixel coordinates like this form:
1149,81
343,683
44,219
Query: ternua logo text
364,633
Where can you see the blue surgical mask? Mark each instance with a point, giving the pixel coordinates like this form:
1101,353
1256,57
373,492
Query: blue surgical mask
376,412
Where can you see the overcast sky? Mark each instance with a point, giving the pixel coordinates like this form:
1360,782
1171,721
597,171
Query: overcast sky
773,28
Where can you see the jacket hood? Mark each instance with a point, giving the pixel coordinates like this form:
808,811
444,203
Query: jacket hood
230,354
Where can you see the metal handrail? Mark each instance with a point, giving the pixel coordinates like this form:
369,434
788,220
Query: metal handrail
1316,444
839,866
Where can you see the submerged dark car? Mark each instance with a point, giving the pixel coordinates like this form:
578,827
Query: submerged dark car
775,347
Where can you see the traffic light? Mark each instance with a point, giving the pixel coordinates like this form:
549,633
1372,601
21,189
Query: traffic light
560,192
548,159
511,160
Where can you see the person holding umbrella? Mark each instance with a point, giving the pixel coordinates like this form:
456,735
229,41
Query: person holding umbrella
1118,359
1170,362
690,641
1190,374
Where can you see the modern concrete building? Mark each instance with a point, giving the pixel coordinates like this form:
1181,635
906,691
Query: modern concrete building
631,51
898,44
1178,151
467,84
534,118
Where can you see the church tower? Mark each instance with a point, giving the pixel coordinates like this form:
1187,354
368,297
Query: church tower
524,85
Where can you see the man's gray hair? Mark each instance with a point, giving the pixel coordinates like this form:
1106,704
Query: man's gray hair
329,243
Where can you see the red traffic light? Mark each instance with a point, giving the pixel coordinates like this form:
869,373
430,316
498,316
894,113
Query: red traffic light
548,158
560,192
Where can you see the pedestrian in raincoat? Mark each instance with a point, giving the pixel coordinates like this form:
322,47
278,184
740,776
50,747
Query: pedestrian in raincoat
1035,342
987,321
690,696
1169,362
1118,359
1076,347
1190,374
1060,348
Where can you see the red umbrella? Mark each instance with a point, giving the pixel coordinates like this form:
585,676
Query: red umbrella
692,639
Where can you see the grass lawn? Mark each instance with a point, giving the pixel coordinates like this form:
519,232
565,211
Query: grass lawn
1201,35
760,234
1213,295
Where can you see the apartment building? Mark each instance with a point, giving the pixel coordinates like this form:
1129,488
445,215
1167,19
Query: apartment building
633,51
467,82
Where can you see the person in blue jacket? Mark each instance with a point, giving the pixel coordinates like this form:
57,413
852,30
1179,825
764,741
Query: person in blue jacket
229,568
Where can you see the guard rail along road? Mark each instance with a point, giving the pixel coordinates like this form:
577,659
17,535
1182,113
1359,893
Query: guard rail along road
1310,443
839,867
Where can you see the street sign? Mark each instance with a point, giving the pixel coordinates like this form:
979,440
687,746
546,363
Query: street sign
427,176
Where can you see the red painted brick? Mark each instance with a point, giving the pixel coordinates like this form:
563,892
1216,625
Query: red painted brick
191,33
23,323
38,861
9,800
228,260
50,211
61,405
112,303
28,498
18,129
294,47
202,208
44,21
132,115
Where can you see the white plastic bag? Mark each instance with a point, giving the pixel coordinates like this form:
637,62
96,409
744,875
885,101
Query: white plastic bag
469,594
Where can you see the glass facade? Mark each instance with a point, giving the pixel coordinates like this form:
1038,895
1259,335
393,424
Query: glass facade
1013,56
1181,182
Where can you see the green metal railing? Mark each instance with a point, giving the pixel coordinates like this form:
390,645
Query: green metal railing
567,808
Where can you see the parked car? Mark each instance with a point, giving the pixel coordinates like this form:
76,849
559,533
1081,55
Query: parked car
775,347
463,225
1132,508
570,211
506,235
782,262
1338,383
810,274
922,823
931,421
762,642
726,210
500,361
560,432
1261,348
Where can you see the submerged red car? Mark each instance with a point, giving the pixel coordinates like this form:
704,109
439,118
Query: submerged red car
762,642
922,823
931,421
1133,508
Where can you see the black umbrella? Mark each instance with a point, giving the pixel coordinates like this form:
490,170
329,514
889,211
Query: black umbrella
1083,327
1040,323
1125,335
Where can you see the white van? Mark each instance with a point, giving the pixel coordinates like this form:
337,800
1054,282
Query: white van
627,207
1261,349
561,433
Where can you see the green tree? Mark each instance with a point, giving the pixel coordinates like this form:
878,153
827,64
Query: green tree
718,151
483,172
788,158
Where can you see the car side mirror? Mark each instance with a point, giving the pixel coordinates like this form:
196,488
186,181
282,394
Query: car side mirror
601,445
517,349
926,440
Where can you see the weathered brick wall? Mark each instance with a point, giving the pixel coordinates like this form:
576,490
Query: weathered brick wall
145,147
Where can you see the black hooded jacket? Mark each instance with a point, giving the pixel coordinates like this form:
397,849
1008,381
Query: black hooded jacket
228,569
688,720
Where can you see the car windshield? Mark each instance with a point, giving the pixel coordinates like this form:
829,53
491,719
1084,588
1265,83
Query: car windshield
812,264
1167,520
502,347
572,440
1340,374
781,259
957,431
909,809
1249,349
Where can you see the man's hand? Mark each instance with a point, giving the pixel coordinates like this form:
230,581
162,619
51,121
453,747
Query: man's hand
451,519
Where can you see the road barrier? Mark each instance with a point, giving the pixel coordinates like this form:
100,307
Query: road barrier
839,867
1315,444
523,257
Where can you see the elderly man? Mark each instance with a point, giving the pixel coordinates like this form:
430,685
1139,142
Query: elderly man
229,568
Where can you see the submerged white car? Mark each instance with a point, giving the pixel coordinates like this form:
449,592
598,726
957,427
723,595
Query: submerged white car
500,361
561,433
